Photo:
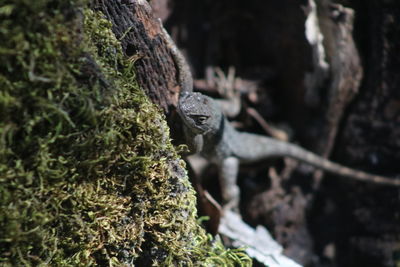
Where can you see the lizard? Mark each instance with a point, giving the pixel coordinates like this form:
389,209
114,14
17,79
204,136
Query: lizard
209,133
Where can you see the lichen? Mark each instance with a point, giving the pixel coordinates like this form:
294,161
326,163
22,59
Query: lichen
88,175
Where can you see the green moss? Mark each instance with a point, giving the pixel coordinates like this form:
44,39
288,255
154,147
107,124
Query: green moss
88,175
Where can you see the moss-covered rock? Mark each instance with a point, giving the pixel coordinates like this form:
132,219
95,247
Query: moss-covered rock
88,175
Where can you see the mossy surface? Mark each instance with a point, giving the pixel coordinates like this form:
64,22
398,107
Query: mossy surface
88,175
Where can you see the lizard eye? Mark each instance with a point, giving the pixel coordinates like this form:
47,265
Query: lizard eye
200,119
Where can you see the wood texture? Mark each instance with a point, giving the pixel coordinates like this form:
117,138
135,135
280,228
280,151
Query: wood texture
141,39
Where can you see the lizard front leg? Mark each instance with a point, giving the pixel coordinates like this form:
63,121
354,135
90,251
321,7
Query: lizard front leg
193,141
228,171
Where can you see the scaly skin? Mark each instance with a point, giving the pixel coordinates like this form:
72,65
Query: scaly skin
211,134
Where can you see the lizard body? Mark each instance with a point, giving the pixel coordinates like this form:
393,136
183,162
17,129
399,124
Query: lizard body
210,133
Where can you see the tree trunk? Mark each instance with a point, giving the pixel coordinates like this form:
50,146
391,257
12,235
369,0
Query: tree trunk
370,139
88,175
141,39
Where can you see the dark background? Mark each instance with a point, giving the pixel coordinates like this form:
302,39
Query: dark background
336,222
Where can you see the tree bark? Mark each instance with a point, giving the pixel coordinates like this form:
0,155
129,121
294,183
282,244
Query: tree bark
371,139
88,175
140,33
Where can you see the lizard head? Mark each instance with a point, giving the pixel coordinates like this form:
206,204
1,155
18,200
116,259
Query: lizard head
199,112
